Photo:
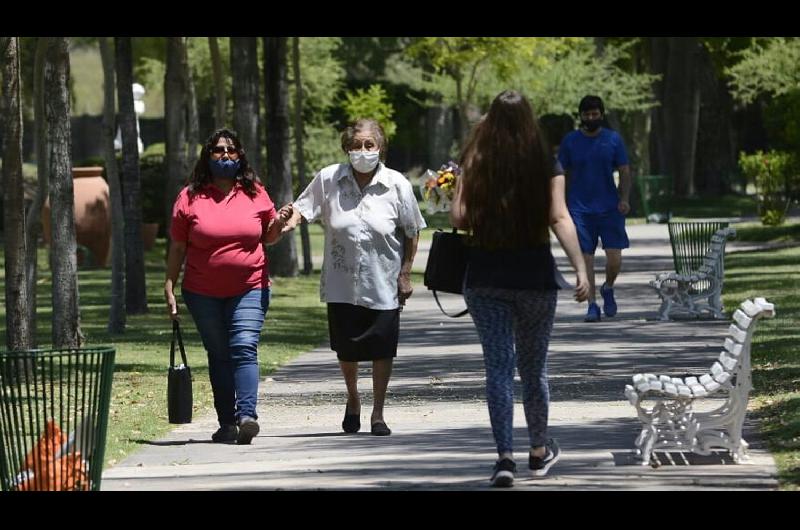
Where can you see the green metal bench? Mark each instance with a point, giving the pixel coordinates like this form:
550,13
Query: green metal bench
690,241
698,256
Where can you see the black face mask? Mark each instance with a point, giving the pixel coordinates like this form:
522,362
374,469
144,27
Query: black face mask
592,125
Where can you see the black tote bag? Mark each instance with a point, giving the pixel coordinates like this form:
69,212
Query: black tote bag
447,265
179,382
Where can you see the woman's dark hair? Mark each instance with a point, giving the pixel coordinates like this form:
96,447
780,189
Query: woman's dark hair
201,175
506,172
361,125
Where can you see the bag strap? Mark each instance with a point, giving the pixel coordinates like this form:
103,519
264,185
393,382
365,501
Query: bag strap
176,333
461,314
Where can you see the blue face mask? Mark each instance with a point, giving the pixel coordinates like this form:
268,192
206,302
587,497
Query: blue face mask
223,168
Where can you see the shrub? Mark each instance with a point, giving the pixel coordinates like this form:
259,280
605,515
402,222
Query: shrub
774,174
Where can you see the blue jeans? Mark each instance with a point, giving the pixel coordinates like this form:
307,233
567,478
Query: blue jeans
230,329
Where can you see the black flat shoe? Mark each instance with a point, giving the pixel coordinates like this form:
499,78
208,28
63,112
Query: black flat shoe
351,422
380,429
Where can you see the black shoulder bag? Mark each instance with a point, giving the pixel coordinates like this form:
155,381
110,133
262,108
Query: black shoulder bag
447,265
179,382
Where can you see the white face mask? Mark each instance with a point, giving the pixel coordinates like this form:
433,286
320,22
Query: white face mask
364,161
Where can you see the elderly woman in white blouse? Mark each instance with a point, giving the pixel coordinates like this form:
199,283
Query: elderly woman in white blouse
372,222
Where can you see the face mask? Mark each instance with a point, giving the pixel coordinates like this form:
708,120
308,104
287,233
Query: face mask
364,161
592,125
223,168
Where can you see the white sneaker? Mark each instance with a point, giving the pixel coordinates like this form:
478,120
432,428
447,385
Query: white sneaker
540,465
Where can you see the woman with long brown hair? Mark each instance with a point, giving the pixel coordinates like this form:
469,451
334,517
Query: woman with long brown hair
510,192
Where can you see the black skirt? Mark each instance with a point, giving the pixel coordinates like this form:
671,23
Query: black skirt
361,334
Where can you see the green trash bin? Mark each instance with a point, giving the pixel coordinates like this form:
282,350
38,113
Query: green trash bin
655,192
53,418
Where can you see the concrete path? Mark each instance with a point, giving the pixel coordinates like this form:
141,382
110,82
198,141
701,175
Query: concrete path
441,435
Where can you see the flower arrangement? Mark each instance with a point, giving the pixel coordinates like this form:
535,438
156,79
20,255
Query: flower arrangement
438,187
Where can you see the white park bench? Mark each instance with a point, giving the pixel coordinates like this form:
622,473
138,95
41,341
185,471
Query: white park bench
670,421
696,292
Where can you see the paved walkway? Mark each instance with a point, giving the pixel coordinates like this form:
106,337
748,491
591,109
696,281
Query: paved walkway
441,435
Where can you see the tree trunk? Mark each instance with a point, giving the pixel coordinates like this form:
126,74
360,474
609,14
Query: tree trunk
135,291
641,125
716,162
18,332
679,112
116,317
33,221
193,121
244,74
658,143
282,256
63,261
440,133
175,105
308,267
219,84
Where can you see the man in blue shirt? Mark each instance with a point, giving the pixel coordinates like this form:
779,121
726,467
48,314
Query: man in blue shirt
590,155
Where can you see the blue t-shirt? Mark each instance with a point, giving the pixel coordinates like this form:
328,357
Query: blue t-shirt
591,161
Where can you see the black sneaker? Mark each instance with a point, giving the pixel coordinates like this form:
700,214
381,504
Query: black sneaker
248,429
225,434
503,476
540,465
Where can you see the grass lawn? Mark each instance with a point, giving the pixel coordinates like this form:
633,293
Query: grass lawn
775,399
295,323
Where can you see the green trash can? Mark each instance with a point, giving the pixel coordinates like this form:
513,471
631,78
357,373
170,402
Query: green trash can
53,418
655,192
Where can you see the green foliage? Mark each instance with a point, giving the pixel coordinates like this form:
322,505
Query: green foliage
86,71
202,72
554,73
322,81
558,86
149,72
155,150
371,103
771,67
364,58
774,174
782,121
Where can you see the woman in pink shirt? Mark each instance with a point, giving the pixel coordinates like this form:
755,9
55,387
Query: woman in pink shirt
220,222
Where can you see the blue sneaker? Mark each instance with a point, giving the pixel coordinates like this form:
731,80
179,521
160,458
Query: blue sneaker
593,314
609,304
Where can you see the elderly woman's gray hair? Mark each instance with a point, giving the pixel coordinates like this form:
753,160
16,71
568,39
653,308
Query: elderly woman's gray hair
365,125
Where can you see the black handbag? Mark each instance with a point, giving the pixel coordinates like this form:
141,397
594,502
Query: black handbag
447,265
179,382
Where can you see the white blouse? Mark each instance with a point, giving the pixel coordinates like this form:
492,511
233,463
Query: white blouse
364,233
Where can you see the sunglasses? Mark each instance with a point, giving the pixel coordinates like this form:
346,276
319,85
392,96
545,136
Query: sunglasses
219,149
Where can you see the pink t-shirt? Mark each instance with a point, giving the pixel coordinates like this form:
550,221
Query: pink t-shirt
224,255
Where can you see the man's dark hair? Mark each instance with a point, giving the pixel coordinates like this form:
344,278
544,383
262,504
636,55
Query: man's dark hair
591,102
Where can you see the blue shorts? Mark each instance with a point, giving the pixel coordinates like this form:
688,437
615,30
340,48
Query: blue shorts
608,226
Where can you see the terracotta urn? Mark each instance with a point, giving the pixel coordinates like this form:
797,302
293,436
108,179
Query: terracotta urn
92,215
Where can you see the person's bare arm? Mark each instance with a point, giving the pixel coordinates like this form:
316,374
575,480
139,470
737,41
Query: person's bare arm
404,288
458,214
277,226
177,253
564,228
624,189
